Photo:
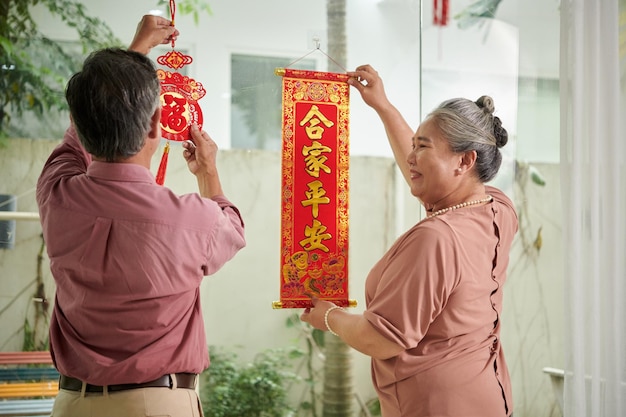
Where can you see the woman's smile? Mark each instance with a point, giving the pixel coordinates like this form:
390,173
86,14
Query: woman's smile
414,174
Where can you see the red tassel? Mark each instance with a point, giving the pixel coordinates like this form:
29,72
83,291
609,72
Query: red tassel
160,176
440,12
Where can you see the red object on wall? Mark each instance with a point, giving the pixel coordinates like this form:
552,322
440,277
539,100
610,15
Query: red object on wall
179,100
314,215
440,12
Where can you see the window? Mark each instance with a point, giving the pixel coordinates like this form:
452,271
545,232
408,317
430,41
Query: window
256,100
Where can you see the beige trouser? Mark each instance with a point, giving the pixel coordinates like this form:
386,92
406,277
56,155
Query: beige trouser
141,402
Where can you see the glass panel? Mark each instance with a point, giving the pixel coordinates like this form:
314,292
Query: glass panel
256,100
457,61
538,120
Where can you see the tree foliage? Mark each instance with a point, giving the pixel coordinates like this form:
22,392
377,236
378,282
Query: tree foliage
33,67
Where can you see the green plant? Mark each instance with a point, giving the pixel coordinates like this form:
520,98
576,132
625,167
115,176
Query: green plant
531,241
310,399
324,369
36,336
34,68
477,12
255,389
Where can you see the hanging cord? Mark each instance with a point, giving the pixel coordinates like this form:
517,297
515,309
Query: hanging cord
317,48
160,176
173,15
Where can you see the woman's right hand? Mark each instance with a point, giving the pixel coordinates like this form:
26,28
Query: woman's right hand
367,81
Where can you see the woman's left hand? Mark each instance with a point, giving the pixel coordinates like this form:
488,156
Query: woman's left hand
315,315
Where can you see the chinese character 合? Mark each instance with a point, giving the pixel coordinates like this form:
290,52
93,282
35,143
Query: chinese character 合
315,235
314,117
316,196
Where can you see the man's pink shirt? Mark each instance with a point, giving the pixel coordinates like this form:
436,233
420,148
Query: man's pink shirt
128,257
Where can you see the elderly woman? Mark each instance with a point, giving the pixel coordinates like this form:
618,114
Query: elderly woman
433,302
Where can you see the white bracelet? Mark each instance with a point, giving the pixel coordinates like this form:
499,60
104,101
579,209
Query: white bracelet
326,319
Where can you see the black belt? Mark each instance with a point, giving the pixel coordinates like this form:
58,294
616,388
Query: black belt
183,380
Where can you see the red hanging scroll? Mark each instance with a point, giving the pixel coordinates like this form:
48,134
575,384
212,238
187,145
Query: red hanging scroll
315,161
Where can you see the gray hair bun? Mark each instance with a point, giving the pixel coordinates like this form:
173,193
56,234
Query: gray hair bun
500,133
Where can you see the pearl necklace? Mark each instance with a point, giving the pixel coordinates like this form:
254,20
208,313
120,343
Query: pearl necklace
468,203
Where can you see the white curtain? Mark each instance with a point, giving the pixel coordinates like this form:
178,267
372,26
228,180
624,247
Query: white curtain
593,179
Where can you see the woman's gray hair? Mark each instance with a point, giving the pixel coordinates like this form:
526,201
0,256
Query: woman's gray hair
470,125
112,101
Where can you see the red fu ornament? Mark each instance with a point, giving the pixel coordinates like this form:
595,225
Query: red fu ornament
179,100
